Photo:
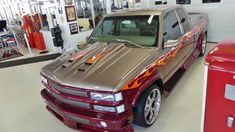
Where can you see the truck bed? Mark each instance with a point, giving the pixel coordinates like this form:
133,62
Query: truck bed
196,18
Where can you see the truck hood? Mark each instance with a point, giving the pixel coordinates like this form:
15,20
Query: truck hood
98,67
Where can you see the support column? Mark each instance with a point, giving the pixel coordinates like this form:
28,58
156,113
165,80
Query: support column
12,14
6,15
108,6
1,15
18,7
39,11
30,8
92,12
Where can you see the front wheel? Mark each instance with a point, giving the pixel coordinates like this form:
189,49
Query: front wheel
203,45
148,107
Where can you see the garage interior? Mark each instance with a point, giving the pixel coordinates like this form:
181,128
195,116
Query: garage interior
33,33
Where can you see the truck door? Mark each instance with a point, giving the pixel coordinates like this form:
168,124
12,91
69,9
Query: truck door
171,31
188,39
176,25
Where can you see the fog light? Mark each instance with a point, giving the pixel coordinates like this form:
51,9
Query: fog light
104,108
120,109
103,124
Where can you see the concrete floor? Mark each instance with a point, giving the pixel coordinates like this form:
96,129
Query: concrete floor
22,109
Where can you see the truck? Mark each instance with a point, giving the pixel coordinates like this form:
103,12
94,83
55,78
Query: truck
119,77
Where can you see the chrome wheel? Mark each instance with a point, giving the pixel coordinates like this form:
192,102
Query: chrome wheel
152,106
204,42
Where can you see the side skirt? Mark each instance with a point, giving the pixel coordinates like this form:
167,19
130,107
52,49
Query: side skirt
189,61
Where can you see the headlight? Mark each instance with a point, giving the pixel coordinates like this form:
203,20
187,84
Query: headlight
106,97
44,80
118,109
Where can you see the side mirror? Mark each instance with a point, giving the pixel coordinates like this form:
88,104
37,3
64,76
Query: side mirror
171,43
81,45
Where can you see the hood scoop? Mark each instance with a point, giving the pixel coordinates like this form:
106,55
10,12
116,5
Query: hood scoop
66,64
83,68
89,62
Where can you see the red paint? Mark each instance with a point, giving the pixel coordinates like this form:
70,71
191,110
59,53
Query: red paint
221,64
115,122
223,55
39,40
28,26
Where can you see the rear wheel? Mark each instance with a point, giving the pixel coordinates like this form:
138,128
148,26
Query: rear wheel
148,107
203,45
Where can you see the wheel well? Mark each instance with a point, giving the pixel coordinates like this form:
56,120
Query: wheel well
159,83
206,33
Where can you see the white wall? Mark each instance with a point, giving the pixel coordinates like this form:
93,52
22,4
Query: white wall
70,41
221,16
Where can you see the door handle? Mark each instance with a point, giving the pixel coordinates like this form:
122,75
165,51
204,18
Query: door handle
230,121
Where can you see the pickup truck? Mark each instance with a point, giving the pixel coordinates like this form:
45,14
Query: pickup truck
120,76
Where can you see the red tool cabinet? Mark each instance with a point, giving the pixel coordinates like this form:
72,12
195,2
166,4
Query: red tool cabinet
219,92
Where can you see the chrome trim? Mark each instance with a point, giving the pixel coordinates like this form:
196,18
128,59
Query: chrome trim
229,92
230,121
55,110
152,106
67,91
204,43
71,102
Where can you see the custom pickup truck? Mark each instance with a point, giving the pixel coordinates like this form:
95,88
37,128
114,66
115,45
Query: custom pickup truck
120,76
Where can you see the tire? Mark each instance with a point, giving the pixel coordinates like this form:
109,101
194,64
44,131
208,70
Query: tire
203,45
145,114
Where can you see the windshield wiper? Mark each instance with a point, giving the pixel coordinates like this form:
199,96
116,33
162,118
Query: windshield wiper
128,42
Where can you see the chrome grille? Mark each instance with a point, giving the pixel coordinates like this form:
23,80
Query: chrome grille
71,102
65,100
68,91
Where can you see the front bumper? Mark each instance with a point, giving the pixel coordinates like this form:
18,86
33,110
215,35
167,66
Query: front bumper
87,120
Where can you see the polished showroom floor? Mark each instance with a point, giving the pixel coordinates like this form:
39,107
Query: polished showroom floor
22,109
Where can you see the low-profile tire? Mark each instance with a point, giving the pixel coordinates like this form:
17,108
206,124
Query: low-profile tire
147,108
203,45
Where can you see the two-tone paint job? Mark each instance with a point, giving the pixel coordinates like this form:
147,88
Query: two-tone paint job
113,68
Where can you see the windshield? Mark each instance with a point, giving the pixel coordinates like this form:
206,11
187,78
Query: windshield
141,30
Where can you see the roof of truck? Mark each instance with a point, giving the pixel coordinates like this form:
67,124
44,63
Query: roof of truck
136,12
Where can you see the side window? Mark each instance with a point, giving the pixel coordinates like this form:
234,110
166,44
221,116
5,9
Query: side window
210,1
171,27
183,19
